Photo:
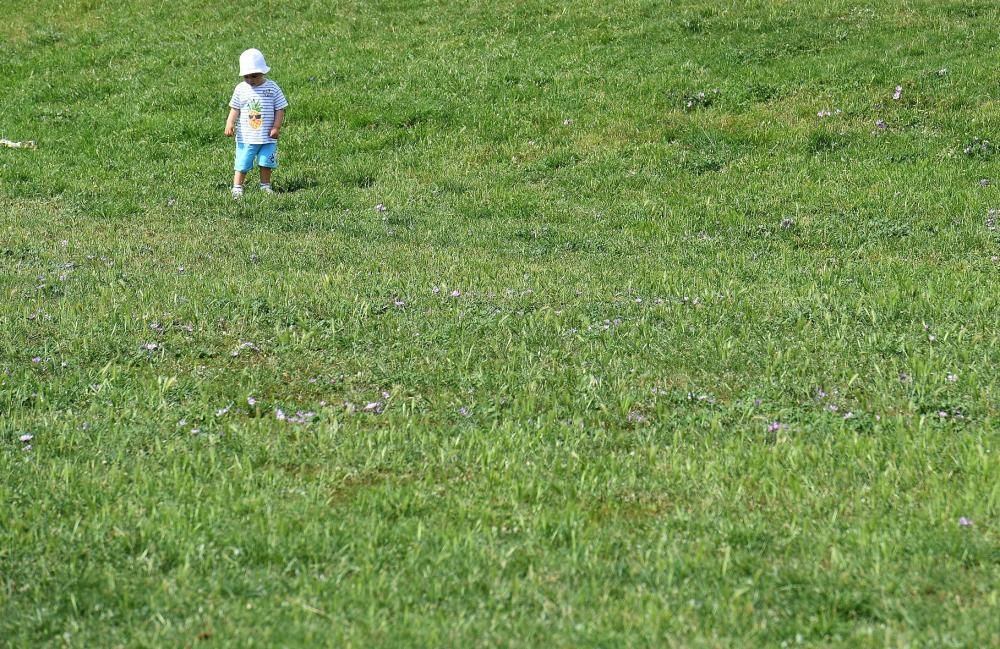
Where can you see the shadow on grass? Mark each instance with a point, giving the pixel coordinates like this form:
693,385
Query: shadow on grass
282,186
291,185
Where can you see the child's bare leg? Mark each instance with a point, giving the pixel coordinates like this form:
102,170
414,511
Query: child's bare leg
265,175
238,178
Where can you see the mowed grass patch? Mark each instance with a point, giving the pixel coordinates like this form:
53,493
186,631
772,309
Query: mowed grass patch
630,325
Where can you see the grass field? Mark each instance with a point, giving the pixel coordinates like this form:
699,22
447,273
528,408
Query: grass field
677,326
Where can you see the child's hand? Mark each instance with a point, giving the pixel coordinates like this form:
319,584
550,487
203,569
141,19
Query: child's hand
275,132
230,130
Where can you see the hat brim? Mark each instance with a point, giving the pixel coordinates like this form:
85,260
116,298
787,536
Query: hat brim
255,70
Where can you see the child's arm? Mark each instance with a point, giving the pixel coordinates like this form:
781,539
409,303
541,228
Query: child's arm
231,122
279,117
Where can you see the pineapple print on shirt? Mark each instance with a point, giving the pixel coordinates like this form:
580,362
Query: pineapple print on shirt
254,115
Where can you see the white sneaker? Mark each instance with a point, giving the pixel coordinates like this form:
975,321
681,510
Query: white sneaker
266,189
237,193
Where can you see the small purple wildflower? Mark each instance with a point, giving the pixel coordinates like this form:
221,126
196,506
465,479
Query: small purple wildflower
464,411
302,417
702,99
150,347
456,293
896,96
985,182
244,345
965,522
27,437
380,208
279,414
775,426
952,377
787,223
977,147
221,412
904,377
881,125
36,360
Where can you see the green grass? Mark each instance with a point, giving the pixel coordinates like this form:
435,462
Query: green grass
720,371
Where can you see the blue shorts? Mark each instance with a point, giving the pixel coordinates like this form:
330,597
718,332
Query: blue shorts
265,154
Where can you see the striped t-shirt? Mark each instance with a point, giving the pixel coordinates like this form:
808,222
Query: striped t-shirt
257,105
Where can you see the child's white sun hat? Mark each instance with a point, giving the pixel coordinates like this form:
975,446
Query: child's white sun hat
251,62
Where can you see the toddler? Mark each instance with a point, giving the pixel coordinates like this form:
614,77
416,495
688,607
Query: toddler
259,105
